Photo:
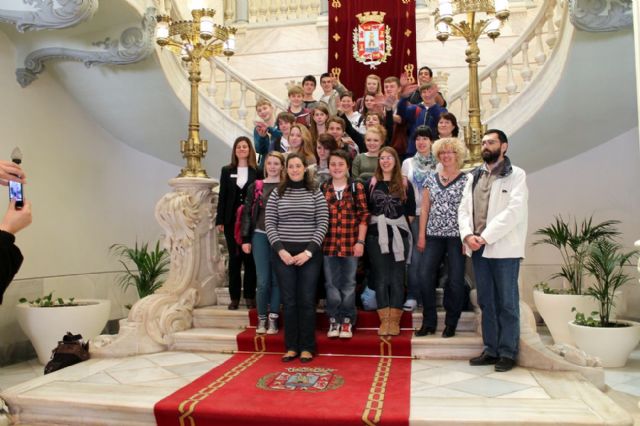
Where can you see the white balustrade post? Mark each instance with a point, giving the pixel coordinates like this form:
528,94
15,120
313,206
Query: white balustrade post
541,56
464,112
212,89
264,10
511,83
494,99
273,9
227,92
526,72
242,109
229,11
284,9
254,9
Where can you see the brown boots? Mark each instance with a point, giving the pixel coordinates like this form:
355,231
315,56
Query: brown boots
394,321
384,322
389,321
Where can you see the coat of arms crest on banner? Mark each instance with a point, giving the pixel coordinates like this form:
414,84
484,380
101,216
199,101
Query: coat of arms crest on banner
371,39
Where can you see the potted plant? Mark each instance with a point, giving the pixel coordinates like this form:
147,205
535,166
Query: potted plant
599,335
574,242
46,320
150,267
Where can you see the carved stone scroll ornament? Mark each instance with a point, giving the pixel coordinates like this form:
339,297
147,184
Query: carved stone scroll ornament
186,215
46,15
133,45
600,15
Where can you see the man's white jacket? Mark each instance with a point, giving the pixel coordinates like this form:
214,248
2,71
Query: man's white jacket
507,216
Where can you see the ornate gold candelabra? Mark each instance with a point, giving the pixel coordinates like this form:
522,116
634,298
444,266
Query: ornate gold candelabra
482,16
193,41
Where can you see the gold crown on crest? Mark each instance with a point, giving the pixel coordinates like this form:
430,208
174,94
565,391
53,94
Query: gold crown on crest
373,16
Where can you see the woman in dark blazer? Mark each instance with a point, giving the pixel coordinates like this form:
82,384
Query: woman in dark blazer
235,178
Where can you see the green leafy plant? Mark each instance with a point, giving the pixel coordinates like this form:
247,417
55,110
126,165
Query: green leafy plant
574,243
49,301
605,263
150,266
544,287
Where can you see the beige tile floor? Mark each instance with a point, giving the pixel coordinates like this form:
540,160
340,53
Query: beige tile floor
151,377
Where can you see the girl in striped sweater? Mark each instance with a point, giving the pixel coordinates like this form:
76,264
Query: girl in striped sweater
296,222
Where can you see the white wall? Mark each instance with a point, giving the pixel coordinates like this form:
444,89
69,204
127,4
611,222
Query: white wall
603,181
88,191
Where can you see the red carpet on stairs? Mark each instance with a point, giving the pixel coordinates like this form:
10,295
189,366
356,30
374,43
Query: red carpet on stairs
257,388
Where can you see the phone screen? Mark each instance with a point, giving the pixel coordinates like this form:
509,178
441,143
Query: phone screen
15,193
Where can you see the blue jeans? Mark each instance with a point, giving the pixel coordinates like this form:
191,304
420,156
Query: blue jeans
387,275
497,285
298,292
416,270
340,283
268,293
454,291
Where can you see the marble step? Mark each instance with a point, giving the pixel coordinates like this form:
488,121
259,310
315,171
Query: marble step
221,317
463,345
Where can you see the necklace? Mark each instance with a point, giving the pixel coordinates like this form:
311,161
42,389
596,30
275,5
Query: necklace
443,178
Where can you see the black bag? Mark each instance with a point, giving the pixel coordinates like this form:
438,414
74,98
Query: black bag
71,350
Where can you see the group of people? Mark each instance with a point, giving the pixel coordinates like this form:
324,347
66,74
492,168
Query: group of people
376,181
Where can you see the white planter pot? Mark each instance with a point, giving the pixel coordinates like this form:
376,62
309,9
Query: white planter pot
611,345
555,309
45,327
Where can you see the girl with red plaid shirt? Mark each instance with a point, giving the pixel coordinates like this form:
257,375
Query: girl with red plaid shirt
343,244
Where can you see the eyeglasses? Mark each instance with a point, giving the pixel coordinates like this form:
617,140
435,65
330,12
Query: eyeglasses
447,152
385,158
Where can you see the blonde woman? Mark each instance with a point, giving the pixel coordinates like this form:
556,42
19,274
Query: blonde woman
300,142
439,235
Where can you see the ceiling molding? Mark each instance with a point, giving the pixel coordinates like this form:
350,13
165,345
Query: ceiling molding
133,45
47,16
600,15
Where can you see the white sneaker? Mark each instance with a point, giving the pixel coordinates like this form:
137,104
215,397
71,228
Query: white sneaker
262,326
410,305
334,328
345,329
273,324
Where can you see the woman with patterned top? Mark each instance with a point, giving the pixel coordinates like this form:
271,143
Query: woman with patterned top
254,239
343,244
416,169
392,207
439,231
296,221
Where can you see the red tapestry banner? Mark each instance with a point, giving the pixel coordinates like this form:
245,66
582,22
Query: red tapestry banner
371,37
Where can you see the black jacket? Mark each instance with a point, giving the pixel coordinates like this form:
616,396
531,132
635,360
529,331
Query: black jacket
10,260
228,201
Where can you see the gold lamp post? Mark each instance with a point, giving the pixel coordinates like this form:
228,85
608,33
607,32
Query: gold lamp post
193,41
482,16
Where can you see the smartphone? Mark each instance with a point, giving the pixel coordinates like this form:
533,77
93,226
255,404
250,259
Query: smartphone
15,193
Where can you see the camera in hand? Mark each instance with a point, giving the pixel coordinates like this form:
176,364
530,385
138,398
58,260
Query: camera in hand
15,193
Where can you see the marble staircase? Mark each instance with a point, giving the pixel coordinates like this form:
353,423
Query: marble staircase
215,329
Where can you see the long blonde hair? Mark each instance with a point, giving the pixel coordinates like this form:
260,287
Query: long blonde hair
307,148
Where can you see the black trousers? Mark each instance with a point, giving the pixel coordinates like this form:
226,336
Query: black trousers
237,258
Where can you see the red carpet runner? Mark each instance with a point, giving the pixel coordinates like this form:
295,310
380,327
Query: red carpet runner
258,389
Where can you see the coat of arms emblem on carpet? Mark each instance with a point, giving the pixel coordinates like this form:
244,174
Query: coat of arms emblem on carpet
307,379
371,39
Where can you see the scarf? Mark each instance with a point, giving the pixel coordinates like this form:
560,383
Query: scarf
422,166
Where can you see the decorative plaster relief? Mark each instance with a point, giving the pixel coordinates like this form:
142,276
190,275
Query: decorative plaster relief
197,269
47,16
600,15
133,45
